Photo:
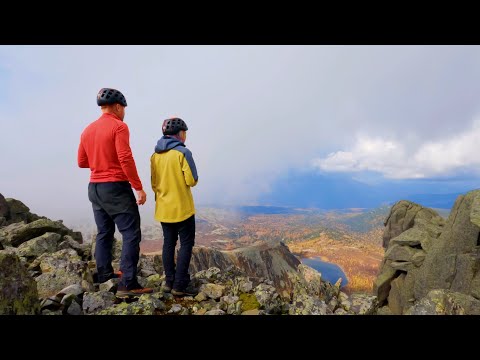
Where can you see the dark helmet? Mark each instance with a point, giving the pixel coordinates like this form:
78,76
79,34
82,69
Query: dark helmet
173,125
107,96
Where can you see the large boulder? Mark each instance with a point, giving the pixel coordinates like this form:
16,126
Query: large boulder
47,243
403,216
18,290
427,255
453,262
19,212
17,234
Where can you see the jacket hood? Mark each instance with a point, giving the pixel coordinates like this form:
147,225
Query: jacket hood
167,143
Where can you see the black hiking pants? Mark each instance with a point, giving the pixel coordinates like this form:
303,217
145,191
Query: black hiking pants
114,203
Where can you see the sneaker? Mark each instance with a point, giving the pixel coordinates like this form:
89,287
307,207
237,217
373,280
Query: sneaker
189,291
122,291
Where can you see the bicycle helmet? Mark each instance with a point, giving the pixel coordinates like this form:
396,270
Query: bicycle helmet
173,126
107,96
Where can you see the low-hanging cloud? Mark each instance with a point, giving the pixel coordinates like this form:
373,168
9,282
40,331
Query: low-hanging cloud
396,160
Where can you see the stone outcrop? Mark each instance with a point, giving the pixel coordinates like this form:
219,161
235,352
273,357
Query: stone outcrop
404,215
431,266
275,263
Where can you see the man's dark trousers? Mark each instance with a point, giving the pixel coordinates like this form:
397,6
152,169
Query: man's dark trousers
114,203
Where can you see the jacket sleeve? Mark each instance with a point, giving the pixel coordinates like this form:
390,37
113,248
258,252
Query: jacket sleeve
153,175
189,169
125,157
82,157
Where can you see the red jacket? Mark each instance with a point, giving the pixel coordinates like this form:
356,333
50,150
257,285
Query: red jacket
105,149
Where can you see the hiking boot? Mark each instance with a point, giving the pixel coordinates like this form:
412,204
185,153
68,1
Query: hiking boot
189,291
167,287
122,291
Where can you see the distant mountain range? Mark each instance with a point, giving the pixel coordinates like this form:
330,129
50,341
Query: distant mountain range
329,192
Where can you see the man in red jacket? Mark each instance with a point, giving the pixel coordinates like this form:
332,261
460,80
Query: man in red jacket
105,149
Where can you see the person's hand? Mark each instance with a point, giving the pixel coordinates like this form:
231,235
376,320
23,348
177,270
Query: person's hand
141,197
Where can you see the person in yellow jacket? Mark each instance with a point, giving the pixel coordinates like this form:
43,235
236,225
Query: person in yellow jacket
173,173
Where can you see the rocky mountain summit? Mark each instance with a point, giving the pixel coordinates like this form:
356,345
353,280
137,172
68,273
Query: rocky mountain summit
45,268
431,265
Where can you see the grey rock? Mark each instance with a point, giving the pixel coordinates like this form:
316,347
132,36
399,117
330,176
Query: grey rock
46,243
333,304
215,312
146,266
18,290
19,212
382,284
384,310
74,309
213,291
268,298
155,281
72,289
418,258
83,250
404,215
396,299
363,304
175,309
52,303
149,300
246,286
95,302
59,270
251,312
20,233
229,299
67,300
308,305
400,253
418,237
110,285
52,312
201,296
446,302
402,265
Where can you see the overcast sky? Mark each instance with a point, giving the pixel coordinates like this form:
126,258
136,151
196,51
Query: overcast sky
253,112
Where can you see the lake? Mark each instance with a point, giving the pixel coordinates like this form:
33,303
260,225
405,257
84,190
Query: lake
330,272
